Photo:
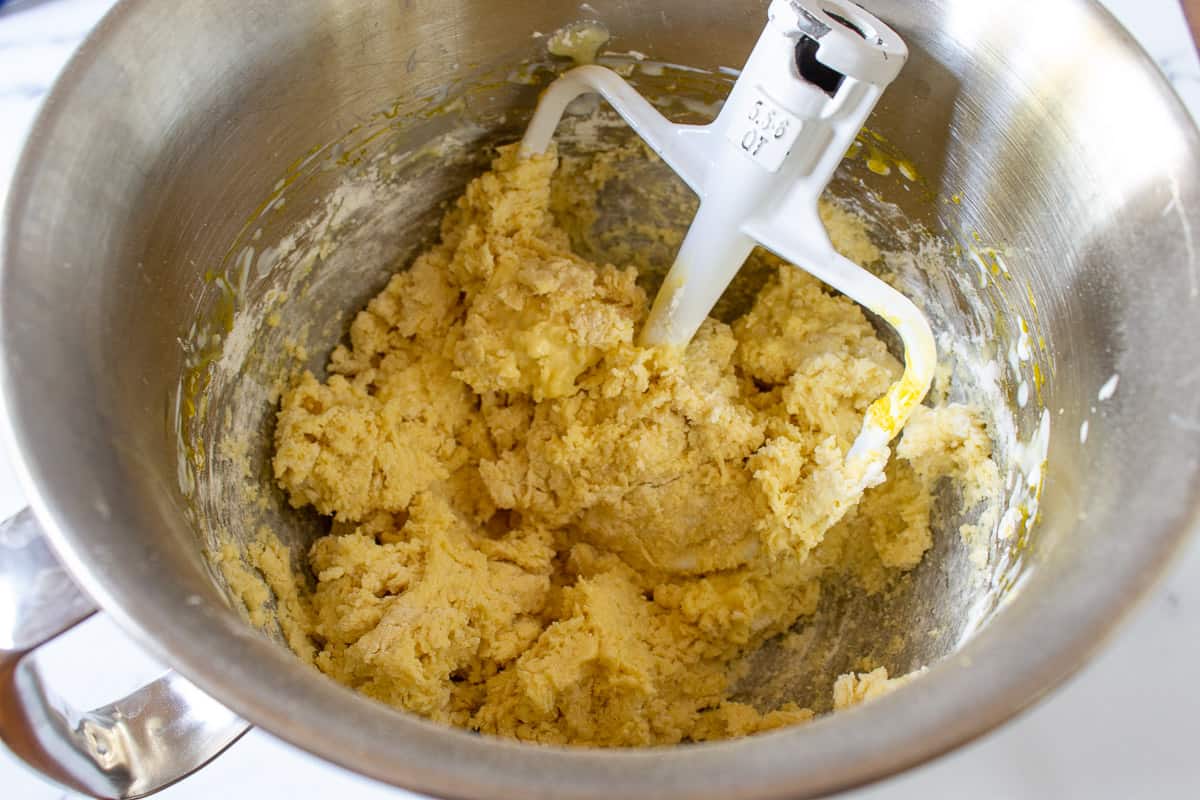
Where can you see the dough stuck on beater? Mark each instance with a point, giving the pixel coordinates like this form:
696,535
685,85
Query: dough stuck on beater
544,531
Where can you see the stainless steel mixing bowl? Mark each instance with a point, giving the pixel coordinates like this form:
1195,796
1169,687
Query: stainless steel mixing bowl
186,142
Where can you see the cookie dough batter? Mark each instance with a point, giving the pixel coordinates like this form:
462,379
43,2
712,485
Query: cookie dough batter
543,531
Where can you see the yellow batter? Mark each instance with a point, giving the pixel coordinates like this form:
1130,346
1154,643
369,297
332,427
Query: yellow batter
544,531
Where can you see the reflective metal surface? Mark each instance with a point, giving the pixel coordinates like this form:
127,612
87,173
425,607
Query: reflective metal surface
133,747
40,599
1039,127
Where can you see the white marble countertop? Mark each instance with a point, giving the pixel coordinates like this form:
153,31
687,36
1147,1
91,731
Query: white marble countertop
1127,726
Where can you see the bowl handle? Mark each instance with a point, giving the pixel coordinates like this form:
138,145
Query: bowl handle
131,748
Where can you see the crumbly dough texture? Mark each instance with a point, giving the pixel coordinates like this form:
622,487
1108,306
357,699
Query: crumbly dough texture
544,531
855,688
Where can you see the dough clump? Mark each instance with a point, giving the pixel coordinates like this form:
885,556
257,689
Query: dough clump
542,530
